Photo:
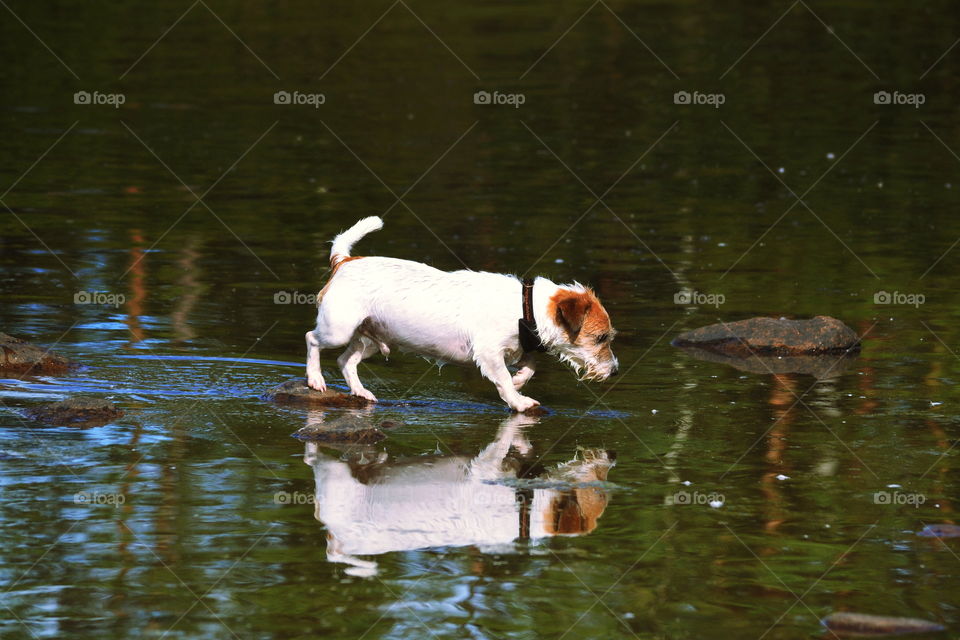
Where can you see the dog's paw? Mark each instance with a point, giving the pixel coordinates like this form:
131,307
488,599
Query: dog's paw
523,403
365,394
316,382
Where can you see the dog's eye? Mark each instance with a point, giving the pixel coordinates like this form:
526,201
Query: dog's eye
603,338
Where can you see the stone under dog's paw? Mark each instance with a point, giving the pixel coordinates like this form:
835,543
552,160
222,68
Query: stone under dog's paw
365,394
316,382
523,403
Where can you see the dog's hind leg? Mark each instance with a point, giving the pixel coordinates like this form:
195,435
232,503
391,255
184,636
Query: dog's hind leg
325,336
358,349
314,375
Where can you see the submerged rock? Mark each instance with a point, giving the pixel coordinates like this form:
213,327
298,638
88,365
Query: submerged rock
344,430
76,412
19,356
820,366
940,531
296,391
773,336
847,624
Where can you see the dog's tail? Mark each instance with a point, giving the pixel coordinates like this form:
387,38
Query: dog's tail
342,244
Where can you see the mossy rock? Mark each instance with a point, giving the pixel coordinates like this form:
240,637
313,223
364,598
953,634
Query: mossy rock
76,412
773,336
346,429
297,392
21,357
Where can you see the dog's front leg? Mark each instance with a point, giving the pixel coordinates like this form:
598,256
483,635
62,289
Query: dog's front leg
495,370
528,367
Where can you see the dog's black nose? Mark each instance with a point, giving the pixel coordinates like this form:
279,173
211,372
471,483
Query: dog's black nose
615,371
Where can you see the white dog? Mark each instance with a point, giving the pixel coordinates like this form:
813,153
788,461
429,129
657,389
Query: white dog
490,319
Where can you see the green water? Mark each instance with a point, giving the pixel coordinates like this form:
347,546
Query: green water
186,536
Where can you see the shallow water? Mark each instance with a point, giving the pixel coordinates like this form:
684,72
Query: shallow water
194,515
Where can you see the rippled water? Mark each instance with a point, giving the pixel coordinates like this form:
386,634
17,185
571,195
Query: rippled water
683,499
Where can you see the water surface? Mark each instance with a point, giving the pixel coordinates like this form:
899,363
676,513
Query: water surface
195,516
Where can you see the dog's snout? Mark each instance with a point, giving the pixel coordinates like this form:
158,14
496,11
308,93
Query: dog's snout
614,371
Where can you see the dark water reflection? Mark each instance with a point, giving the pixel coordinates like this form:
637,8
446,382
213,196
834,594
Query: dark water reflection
735,491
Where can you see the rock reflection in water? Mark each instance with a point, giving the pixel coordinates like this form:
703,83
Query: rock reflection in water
821,366
371,504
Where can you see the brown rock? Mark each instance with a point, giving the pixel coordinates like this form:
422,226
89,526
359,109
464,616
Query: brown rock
296,391
773,336
76,412
847,624
19,356
536,411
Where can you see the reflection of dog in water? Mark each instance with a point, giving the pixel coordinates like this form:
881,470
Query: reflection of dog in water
374,506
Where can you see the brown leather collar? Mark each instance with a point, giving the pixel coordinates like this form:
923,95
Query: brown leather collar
529,337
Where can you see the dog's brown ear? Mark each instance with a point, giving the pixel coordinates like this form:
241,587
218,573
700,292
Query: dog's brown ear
571,311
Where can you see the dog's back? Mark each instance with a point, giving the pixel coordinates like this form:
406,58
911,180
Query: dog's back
420,308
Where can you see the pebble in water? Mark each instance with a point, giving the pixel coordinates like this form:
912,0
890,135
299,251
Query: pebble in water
940,531
847,624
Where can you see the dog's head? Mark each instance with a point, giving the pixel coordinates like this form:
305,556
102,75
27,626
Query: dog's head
584,332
